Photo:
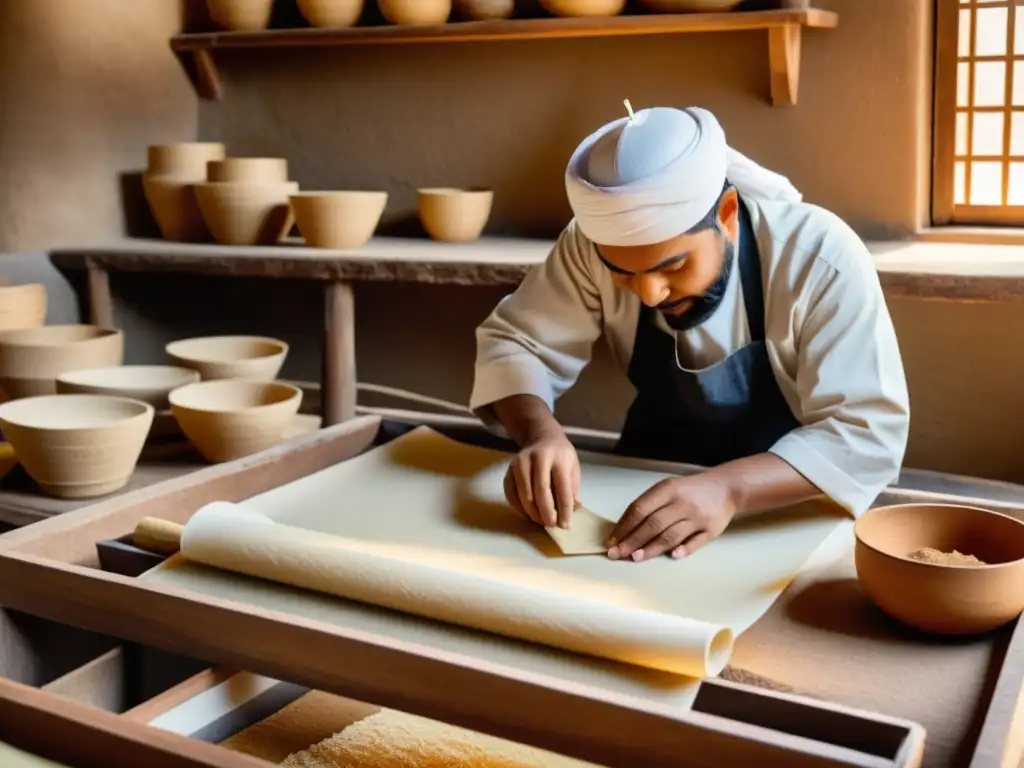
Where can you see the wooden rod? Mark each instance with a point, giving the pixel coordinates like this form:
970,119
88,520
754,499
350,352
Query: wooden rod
158,535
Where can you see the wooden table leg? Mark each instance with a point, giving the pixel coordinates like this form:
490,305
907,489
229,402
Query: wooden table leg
101,305
338,383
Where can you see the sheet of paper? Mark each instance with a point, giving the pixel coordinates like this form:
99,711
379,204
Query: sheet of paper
444,499
586,534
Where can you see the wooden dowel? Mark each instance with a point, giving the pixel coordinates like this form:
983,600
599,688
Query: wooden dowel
158,535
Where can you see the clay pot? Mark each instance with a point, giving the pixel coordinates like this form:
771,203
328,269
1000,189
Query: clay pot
226,420
241,15
338,219
690,6
331,13
455,215
185,160
22,306
175,208
942,599
415,11
77,446
583,7
245,213
148,383
258,170
230,357
484,10
31,359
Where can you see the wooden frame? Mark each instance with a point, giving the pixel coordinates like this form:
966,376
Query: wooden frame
945,209
50,569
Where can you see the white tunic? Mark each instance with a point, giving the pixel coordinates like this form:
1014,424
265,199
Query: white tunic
829,338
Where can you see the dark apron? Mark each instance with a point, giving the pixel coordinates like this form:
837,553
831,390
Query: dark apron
727,411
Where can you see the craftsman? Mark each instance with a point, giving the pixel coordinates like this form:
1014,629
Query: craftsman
752,326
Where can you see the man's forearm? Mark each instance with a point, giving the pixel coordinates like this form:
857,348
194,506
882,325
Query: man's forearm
527,419
761,482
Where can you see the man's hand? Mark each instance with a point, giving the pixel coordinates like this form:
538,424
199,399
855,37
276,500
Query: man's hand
543,481
677,516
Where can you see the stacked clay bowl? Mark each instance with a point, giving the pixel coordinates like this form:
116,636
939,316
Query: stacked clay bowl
31,359
344,219
455,215
241,15
331,13
231,418
690,6
484,10
22,306
245,200
77,446
169,183
942,568
415,11
230,357
583,7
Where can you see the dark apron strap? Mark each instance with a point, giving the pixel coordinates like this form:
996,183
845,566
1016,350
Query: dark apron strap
750,275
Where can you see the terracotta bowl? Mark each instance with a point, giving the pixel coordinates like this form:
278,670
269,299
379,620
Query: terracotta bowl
254,169
174,206
415,11
31,359
583,7
338,219
230,357
77,446
244,213
148,383
455,215
241,15
942,599
484,10
226,420
331,13
185,160
690,6
22,306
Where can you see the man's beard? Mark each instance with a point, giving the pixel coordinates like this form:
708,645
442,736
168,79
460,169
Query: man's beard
704,306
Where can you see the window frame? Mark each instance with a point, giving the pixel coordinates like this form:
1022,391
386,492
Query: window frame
945,211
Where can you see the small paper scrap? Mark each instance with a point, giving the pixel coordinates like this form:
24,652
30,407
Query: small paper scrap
586,535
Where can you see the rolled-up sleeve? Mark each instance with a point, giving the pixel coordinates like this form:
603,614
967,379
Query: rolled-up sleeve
539,338
852,390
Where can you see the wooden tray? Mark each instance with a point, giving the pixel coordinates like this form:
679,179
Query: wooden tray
51,569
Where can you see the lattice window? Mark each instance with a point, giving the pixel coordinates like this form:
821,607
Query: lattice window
979,112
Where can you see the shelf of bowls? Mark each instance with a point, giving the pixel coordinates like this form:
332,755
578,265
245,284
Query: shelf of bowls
78,419
198,194
255,15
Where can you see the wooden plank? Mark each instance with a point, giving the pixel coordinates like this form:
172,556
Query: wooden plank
508,29
934,270
1001,741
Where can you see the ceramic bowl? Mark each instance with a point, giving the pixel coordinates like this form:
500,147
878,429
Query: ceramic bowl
77,446
331,13
31,359
244,213
148,383
22,306
241,15
455,215
229,419
254,169
230,357
174,206
583,7
690,6
484,10
338,219
942,599
184,160
415,11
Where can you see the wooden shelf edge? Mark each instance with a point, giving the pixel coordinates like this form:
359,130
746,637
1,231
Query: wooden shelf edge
784,28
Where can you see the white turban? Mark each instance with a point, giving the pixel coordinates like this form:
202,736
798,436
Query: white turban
651,178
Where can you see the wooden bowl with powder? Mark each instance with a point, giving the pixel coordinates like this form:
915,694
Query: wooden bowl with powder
942,568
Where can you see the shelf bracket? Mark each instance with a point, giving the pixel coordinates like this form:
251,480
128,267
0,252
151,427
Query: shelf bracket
784,63
202,71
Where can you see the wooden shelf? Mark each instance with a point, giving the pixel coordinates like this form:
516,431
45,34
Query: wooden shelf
784,29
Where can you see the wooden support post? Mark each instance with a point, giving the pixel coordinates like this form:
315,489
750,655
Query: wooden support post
338,382
784,63
101,305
